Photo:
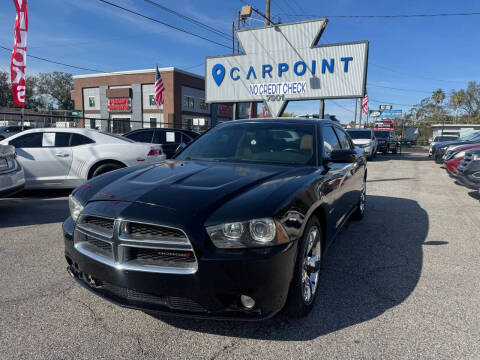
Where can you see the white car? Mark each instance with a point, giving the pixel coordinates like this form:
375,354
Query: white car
364,138
66,158
12,178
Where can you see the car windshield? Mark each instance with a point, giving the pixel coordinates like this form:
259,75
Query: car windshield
470,136
360,134
381,134
273,143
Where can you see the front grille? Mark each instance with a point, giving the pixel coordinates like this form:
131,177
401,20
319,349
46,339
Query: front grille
146,231
135,296
135,246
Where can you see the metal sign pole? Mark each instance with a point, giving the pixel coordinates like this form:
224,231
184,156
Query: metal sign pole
321,111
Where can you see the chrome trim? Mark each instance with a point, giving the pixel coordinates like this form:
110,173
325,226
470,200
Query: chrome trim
121,245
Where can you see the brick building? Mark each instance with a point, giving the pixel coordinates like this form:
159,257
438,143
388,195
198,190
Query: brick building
123,101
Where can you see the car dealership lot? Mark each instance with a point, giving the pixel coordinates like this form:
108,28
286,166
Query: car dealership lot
401,283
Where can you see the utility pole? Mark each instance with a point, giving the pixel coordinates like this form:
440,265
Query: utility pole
355,121
233,37
321,110
267,13
361,111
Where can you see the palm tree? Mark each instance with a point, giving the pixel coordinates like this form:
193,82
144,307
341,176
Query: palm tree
456,100
438,96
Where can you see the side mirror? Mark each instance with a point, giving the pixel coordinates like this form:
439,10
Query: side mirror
343,156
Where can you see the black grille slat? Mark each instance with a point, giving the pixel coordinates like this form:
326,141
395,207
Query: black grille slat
164,255
147,231
102,245
106,224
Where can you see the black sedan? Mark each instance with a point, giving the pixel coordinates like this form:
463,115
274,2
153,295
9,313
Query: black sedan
170,139
236,226
468,172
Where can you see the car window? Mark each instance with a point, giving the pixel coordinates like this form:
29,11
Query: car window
33,140
141,136
78,140
330,141
255,142
360,134
62,139
343,138
168,137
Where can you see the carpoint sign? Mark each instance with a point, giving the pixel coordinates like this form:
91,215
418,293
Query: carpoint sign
283,63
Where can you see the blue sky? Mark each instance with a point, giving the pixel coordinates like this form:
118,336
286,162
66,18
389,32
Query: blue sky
416,54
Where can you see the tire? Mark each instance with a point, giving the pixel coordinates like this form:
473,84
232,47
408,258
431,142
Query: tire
359,212
106,167
394,151
302,294
375,153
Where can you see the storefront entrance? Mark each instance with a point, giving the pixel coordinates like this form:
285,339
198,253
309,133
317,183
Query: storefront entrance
121,125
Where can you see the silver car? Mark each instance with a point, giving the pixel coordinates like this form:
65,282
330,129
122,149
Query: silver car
12,178
7,131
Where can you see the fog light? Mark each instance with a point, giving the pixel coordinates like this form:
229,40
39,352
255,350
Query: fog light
247,302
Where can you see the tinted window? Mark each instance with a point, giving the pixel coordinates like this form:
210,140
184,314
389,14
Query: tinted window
330,141
62,139
78,140
141,136
355,134
255,142
343,138
168,137
381,134
28,141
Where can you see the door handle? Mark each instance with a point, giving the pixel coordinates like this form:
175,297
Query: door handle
61,155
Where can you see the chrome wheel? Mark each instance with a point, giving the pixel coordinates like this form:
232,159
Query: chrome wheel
363,197
311,265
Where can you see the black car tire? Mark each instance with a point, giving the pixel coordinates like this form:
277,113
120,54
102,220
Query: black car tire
296,306
394,151
359,212
106,167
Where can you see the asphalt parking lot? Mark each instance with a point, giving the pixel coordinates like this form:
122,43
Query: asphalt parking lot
403,283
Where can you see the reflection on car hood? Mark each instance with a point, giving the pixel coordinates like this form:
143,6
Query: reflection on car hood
191,187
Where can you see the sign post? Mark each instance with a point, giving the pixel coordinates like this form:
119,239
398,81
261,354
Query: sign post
284,63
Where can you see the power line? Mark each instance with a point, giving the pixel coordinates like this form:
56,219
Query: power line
343,107
54,62
414,75
389,102
400,89
205,26
165,24
387,16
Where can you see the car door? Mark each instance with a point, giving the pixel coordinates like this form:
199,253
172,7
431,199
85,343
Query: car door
45,156
353,180
333,185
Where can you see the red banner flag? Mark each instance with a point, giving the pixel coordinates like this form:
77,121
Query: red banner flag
19,54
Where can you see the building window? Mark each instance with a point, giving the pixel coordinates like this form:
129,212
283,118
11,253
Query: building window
91,101
152,100
153,122
203,105
188,102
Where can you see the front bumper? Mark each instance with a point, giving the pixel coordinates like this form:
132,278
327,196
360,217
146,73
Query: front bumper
468,180
213,291
12,182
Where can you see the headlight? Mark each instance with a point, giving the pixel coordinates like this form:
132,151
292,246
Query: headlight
365,145
253,233
459,155
75,207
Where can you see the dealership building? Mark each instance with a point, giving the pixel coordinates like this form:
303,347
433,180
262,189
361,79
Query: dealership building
124,101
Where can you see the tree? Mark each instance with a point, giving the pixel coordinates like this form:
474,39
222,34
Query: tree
438,97
32,101
57,85
456,100
471,102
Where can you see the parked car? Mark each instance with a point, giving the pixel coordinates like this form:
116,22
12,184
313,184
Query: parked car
7,131
66,158
468,172
387,141
12,178
236,225
364,138
439,139
439,150
170,139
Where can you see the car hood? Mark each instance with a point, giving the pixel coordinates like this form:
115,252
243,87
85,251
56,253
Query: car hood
361,141
191,188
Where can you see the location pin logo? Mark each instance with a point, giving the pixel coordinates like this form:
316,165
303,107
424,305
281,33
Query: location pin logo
218,73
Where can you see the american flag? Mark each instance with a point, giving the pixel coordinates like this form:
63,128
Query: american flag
159,88
365,104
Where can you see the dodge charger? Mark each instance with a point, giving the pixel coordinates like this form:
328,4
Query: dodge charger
236,225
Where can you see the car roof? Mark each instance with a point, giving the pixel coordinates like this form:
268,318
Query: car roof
284,120
359,129
52,129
